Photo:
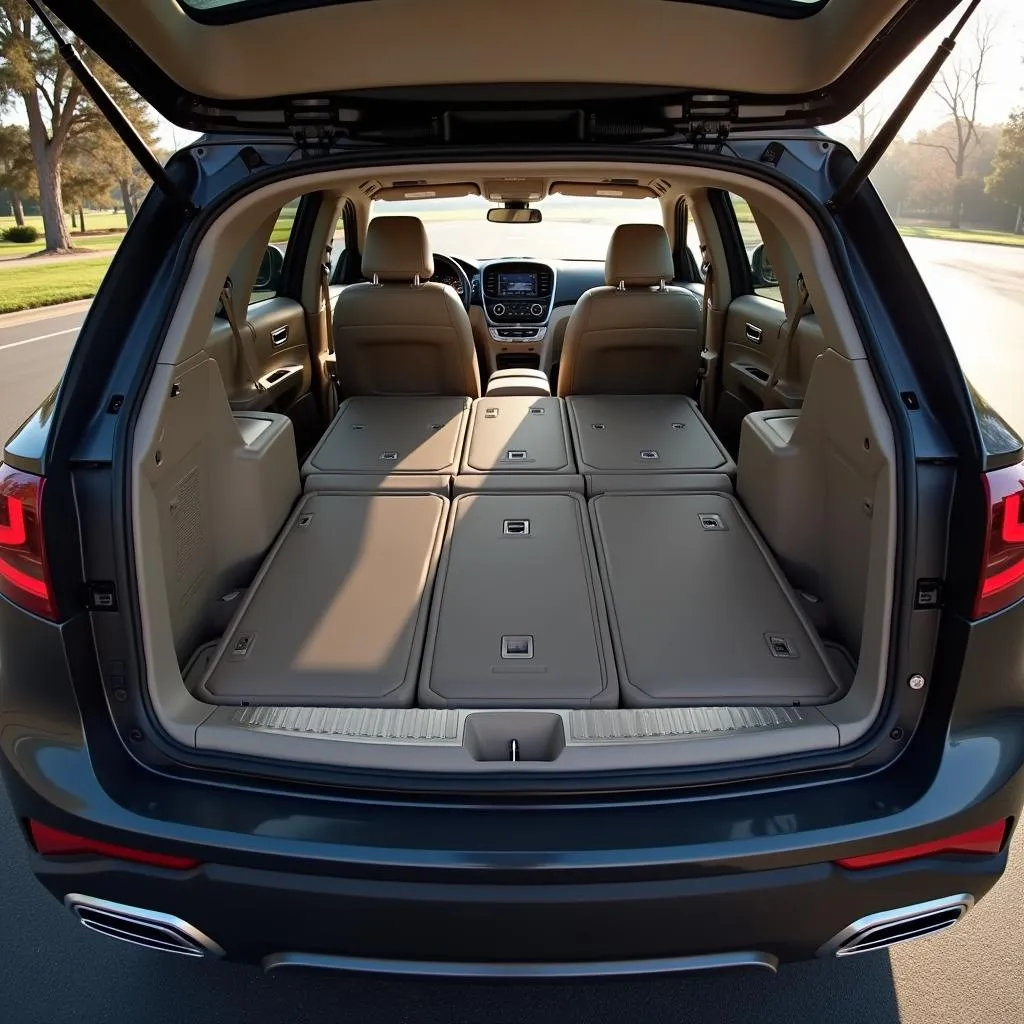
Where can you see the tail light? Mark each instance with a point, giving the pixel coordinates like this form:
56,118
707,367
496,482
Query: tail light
52,842
986,841
23,573
1002,574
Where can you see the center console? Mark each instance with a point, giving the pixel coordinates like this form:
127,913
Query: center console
518,296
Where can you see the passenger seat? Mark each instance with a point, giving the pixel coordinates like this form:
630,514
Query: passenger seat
400,333
637,335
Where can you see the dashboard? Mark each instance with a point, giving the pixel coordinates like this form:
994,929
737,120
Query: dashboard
518,306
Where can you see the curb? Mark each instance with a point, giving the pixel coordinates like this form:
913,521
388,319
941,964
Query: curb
28,316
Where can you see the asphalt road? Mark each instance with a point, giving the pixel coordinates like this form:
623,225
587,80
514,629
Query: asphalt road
51,971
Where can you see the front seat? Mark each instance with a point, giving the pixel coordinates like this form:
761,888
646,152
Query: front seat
637,335
401,334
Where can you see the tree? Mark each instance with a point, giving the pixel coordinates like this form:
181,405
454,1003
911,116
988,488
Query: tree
112,154
56,106
1006,182
863,117
85,180
958,87
16,171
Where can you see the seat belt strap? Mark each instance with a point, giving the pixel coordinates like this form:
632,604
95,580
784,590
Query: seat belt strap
708,272
782,360
325,297
243,350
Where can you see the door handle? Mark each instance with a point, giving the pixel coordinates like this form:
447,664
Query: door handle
278,336
753,334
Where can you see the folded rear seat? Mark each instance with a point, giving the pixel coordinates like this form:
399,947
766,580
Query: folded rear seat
518,619
700,613
646,443
337,613
518,443
409,443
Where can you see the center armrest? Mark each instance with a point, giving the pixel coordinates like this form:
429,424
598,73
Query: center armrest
518,382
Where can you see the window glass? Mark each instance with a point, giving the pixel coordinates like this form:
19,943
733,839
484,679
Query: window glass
268,280
765,282
573,227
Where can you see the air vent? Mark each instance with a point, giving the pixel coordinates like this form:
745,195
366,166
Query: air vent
661,186
149,928
370,187
544,282
880,931
490,282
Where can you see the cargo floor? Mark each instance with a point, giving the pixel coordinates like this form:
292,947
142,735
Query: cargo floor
499,600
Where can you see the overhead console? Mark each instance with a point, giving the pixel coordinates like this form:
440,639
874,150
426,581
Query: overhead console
518,296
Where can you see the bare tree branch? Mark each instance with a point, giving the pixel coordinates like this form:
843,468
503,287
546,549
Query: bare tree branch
937,145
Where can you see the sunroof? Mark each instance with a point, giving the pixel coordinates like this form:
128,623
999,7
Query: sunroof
237,10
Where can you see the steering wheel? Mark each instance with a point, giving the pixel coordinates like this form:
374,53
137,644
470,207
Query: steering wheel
450,269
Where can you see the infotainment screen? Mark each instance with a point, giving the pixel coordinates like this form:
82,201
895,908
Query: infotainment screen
517,286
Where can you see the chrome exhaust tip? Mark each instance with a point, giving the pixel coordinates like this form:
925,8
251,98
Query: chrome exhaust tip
880,931
149,928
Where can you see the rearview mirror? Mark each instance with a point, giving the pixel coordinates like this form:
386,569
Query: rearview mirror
761,269
268,277
514,215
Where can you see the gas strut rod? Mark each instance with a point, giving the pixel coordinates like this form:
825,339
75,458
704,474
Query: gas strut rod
849,188
125,130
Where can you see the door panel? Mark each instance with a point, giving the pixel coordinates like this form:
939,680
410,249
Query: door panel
275,331
754,336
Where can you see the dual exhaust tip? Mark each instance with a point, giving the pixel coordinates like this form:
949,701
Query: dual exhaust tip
168,934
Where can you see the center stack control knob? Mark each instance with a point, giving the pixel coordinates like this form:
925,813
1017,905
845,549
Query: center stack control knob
499,309
536,309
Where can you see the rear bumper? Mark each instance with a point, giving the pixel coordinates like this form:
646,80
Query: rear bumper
406,886
286,920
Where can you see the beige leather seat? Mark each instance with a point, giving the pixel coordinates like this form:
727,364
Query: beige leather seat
637,335
403,334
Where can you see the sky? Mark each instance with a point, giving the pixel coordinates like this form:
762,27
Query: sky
1004,74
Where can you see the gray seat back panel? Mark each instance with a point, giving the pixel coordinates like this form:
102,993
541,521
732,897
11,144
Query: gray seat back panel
338,611
700,614
615,434
518,434
517,618
384,435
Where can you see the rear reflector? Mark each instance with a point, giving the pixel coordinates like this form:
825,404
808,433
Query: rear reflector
1002,575
23,573
988,839
52,842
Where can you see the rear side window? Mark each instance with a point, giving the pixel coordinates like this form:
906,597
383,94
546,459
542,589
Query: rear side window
268,280
762,275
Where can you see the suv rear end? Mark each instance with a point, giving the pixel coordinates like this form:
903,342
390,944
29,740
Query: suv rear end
891,831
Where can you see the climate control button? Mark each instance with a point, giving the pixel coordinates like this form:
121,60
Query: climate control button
499,309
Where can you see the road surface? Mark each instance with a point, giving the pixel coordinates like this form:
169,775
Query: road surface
52,971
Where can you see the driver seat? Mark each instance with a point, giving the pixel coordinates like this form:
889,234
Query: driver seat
400,333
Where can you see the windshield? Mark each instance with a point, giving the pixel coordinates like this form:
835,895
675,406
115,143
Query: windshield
573,228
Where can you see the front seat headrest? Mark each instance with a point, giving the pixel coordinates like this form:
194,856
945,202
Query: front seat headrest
397,249
638,255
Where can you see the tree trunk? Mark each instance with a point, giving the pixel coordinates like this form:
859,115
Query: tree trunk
1019,228
126,197
74,220
51,203
958,198
19,210
81,218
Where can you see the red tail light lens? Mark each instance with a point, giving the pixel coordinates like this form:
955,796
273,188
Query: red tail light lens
52,842
23,573
988,839
1002,575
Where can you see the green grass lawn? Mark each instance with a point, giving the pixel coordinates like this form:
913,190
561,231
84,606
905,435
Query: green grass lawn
93,222
961,235
44,284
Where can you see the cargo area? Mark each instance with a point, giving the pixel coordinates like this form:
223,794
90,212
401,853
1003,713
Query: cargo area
518,581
